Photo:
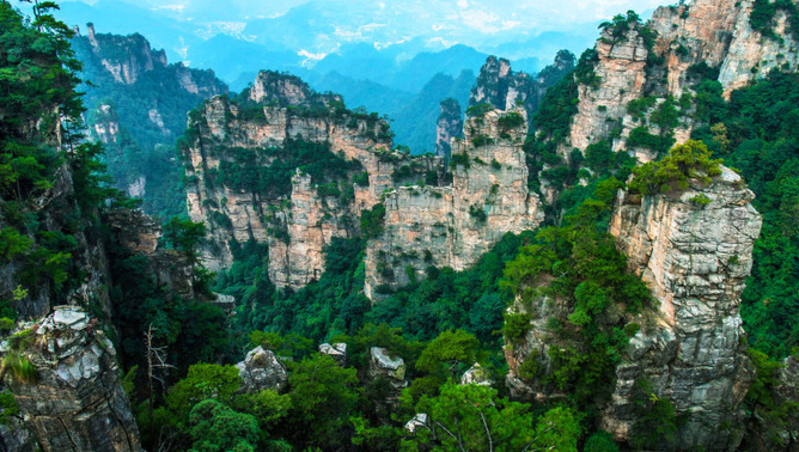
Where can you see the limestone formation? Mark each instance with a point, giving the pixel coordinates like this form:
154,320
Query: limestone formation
382,365
449,126
477,375
680,40
453,225
296,227
75,402
261,370
418,421
696,259
337,351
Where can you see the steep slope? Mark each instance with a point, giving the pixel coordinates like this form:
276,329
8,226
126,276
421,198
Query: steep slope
137,109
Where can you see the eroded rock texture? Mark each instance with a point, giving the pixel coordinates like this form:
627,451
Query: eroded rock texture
453,225
667,59
696,259
261,370
449,126
76,402
297,225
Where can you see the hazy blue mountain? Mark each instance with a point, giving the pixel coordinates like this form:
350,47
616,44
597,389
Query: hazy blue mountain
415,123
230,57
112,16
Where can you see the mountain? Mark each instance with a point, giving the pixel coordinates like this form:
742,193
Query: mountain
137,105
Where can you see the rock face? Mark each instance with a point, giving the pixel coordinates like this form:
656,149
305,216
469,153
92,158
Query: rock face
449,126
77,402
696,259
503,88
261,370
126,67
666,60
337,351
476,375
297,224
382,365
690,351
454,225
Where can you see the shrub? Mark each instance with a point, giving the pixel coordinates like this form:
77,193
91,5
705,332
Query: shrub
691,160
516,327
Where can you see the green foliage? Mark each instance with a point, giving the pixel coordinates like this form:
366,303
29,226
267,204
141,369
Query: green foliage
20,368
372,221
701,200
481,140
689,161
479,110
461,159
203,381
478,213
12,243
516,326
324,396
640,137
762,18
449,350
8,407
579,264
656,422
762,402
510,121
601,441
217,428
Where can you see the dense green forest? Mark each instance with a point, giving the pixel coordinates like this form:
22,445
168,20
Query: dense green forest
439,326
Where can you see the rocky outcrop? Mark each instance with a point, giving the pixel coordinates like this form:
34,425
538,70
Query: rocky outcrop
337,351
298,224
665,59
500,86
477,375
696,259
695,256
382,365
448,126
453,225
262,370
121,68
74,402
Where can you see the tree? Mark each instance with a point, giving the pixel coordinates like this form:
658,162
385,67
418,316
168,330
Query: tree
215,427
447,351
184,235
203,381
323,396
472,418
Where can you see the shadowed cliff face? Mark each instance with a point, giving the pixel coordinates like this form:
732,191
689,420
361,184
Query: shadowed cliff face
76,401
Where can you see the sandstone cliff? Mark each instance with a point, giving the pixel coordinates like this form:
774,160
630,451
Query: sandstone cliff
665,59
137,104
453,225
695,257
276,131
448,126
74,400
500,86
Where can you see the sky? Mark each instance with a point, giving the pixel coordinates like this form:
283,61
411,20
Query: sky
484,15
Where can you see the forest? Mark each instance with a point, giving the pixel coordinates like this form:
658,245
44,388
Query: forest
439,326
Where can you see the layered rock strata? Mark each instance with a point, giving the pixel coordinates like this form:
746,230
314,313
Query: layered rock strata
696,259
453,225
690,351
299,225
666,59
75,402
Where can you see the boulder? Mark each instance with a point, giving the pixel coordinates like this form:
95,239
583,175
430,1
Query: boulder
337,351
261,370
